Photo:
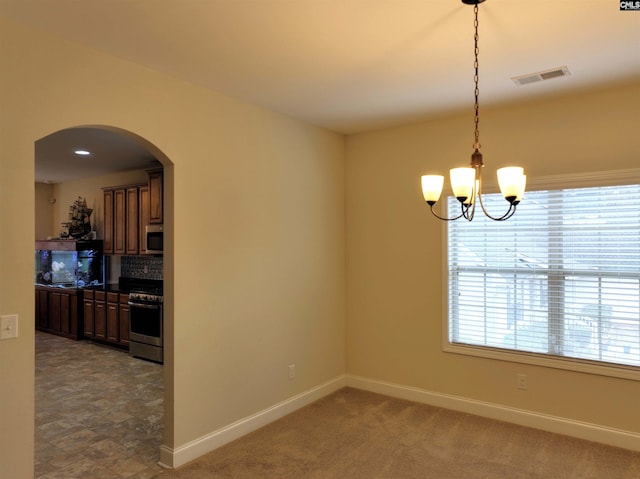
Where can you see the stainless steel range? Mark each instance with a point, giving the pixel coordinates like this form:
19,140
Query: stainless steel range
146,338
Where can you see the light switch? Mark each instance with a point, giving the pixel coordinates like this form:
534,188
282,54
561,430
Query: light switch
9,326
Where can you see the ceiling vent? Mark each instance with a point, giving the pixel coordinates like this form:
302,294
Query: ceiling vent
539,76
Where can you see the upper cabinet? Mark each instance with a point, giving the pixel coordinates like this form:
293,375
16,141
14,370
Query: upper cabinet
108,221
143,216
132,222
128,210
119,220
155,196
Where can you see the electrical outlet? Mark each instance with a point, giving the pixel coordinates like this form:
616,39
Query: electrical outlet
9,326
292,371
521,381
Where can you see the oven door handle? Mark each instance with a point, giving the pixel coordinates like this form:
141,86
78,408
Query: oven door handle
145,306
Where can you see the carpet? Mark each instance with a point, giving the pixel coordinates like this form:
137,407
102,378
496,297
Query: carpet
357,434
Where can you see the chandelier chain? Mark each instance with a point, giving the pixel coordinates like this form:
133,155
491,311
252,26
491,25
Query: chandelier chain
475,79
466,183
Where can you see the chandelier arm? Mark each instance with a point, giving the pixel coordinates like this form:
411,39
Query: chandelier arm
469,212
465,211
444,218
510,212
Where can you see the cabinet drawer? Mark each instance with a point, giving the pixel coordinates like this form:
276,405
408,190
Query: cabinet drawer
112,297
89,294
124,298
100,295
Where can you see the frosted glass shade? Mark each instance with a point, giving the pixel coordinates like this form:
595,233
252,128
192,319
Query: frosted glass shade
462,181
512,182
432,188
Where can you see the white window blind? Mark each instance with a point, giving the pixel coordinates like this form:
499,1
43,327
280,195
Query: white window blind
560,278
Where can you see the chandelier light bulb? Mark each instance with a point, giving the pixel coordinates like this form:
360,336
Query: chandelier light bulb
432,188
462,183
511,181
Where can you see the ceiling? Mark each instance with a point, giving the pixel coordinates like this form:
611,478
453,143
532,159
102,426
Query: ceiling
110,152
356,65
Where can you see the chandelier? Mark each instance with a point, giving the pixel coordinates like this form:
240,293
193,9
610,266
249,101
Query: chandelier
466,183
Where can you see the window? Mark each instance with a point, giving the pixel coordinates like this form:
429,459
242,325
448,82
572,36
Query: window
559,280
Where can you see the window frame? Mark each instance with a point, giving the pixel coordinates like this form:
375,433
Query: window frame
555,182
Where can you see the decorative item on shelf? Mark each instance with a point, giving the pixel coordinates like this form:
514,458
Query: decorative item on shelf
466,183
79,224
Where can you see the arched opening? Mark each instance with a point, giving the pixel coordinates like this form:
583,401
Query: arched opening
93,398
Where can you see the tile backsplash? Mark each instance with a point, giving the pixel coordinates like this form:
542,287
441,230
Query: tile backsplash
143,267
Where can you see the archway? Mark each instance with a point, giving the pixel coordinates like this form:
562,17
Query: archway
125,143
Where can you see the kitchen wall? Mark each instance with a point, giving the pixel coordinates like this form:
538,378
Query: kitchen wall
254,205
395,256
44,207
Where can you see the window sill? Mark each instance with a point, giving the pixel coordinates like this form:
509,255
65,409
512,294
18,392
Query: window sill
569,364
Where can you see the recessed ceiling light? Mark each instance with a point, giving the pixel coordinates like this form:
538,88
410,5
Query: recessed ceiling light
82,152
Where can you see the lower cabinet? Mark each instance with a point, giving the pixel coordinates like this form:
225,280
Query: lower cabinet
123,319
92,314
113,324
89,315
109,312
59,311
42,309
100,316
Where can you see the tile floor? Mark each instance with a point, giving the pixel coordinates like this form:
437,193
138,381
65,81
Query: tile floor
99,412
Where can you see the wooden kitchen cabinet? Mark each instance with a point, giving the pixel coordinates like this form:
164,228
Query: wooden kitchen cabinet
100,316
109,312
108,221
156,210
42,309
123,319
89,317
143,217
119,221
113,325
126,213
132,223
58,311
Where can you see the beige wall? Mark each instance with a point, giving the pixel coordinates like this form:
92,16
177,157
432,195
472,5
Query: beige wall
395,248
255,216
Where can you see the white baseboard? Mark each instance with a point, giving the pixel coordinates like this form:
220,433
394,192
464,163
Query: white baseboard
569,427
176,457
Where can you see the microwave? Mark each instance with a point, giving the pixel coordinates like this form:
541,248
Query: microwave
155,239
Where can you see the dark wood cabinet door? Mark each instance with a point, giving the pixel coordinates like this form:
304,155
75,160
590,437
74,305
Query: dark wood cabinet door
155,196
54,311
124,323
42,309
119,224
132,225
100,319
75,316
89,330
108,222
143,217
113,328
65,313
